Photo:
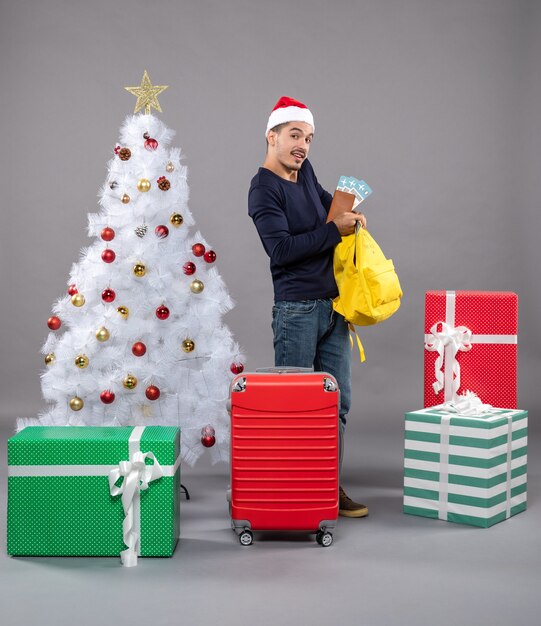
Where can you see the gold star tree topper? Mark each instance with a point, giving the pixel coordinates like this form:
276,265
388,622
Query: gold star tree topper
147,94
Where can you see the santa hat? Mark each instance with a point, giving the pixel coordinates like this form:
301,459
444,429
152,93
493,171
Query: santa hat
289,110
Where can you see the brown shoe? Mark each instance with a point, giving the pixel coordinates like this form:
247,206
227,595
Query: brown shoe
348,508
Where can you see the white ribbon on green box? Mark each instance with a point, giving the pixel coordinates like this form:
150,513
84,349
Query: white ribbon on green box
467,405
444,467
136,475
448,340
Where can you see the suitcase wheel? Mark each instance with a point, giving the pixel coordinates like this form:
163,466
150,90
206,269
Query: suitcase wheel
246,538
324,539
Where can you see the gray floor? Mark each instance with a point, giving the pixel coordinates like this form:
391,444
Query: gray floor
387,569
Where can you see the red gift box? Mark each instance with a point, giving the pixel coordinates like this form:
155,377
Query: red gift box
471,345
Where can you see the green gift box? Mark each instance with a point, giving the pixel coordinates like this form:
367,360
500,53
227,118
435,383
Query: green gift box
94,491
466,469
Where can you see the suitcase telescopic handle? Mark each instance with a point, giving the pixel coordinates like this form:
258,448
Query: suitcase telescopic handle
283,370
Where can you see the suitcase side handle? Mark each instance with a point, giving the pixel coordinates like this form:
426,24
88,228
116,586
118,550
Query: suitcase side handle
283,370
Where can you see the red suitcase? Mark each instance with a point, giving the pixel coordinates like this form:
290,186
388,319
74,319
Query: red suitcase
284,453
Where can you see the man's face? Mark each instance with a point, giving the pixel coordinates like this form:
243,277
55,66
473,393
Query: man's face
291,144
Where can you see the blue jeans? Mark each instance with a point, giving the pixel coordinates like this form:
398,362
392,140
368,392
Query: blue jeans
309,333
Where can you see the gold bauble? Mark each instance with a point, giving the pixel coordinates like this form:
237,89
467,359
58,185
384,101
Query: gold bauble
125,198
143,184
170,167
139,269
197,286
176,219
124,311
50,358
76,404
82,361
130,382
102,334
188,345
78,299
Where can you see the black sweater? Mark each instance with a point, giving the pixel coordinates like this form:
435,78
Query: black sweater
290,219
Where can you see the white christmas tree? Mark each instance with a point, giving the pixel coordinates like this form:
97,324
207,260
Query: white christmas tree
139,339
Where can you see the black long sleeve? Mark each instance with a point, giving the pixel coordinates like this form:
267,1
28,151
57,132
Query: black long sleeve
290,219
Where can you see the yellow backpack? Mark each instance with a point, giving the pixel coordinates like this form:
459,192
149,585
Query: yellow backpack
368,288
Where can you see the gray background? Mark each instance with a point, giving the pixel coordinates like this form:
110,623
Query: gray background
436,105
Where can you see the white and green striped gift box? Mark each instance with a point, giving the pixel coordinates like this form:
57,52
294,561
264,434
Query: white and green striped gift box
470,470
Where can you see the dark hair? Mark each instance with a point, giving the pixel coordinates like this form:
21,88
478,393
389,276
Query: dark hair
276,129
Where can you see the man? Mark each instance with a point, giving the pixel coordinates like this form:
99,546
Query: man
289,208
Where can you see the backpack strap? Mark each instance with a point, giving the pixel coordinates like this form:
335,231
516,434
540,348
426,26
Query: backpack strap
359,344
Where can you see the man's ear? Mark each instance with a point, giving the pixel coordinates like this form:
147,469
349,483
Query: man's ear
271,138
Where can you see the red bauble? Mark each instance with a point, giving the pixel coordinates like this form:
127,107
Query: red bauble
198,249
151,144
162,312
189,268
107,234
207,436
139,348
210,256
237,368
107,396
54,323
161,231
208,441
108,255
152,392
108,295
72,290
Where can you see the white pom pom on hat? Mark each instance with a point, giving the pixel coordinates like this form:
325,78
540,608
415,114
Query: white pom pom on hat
289,110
